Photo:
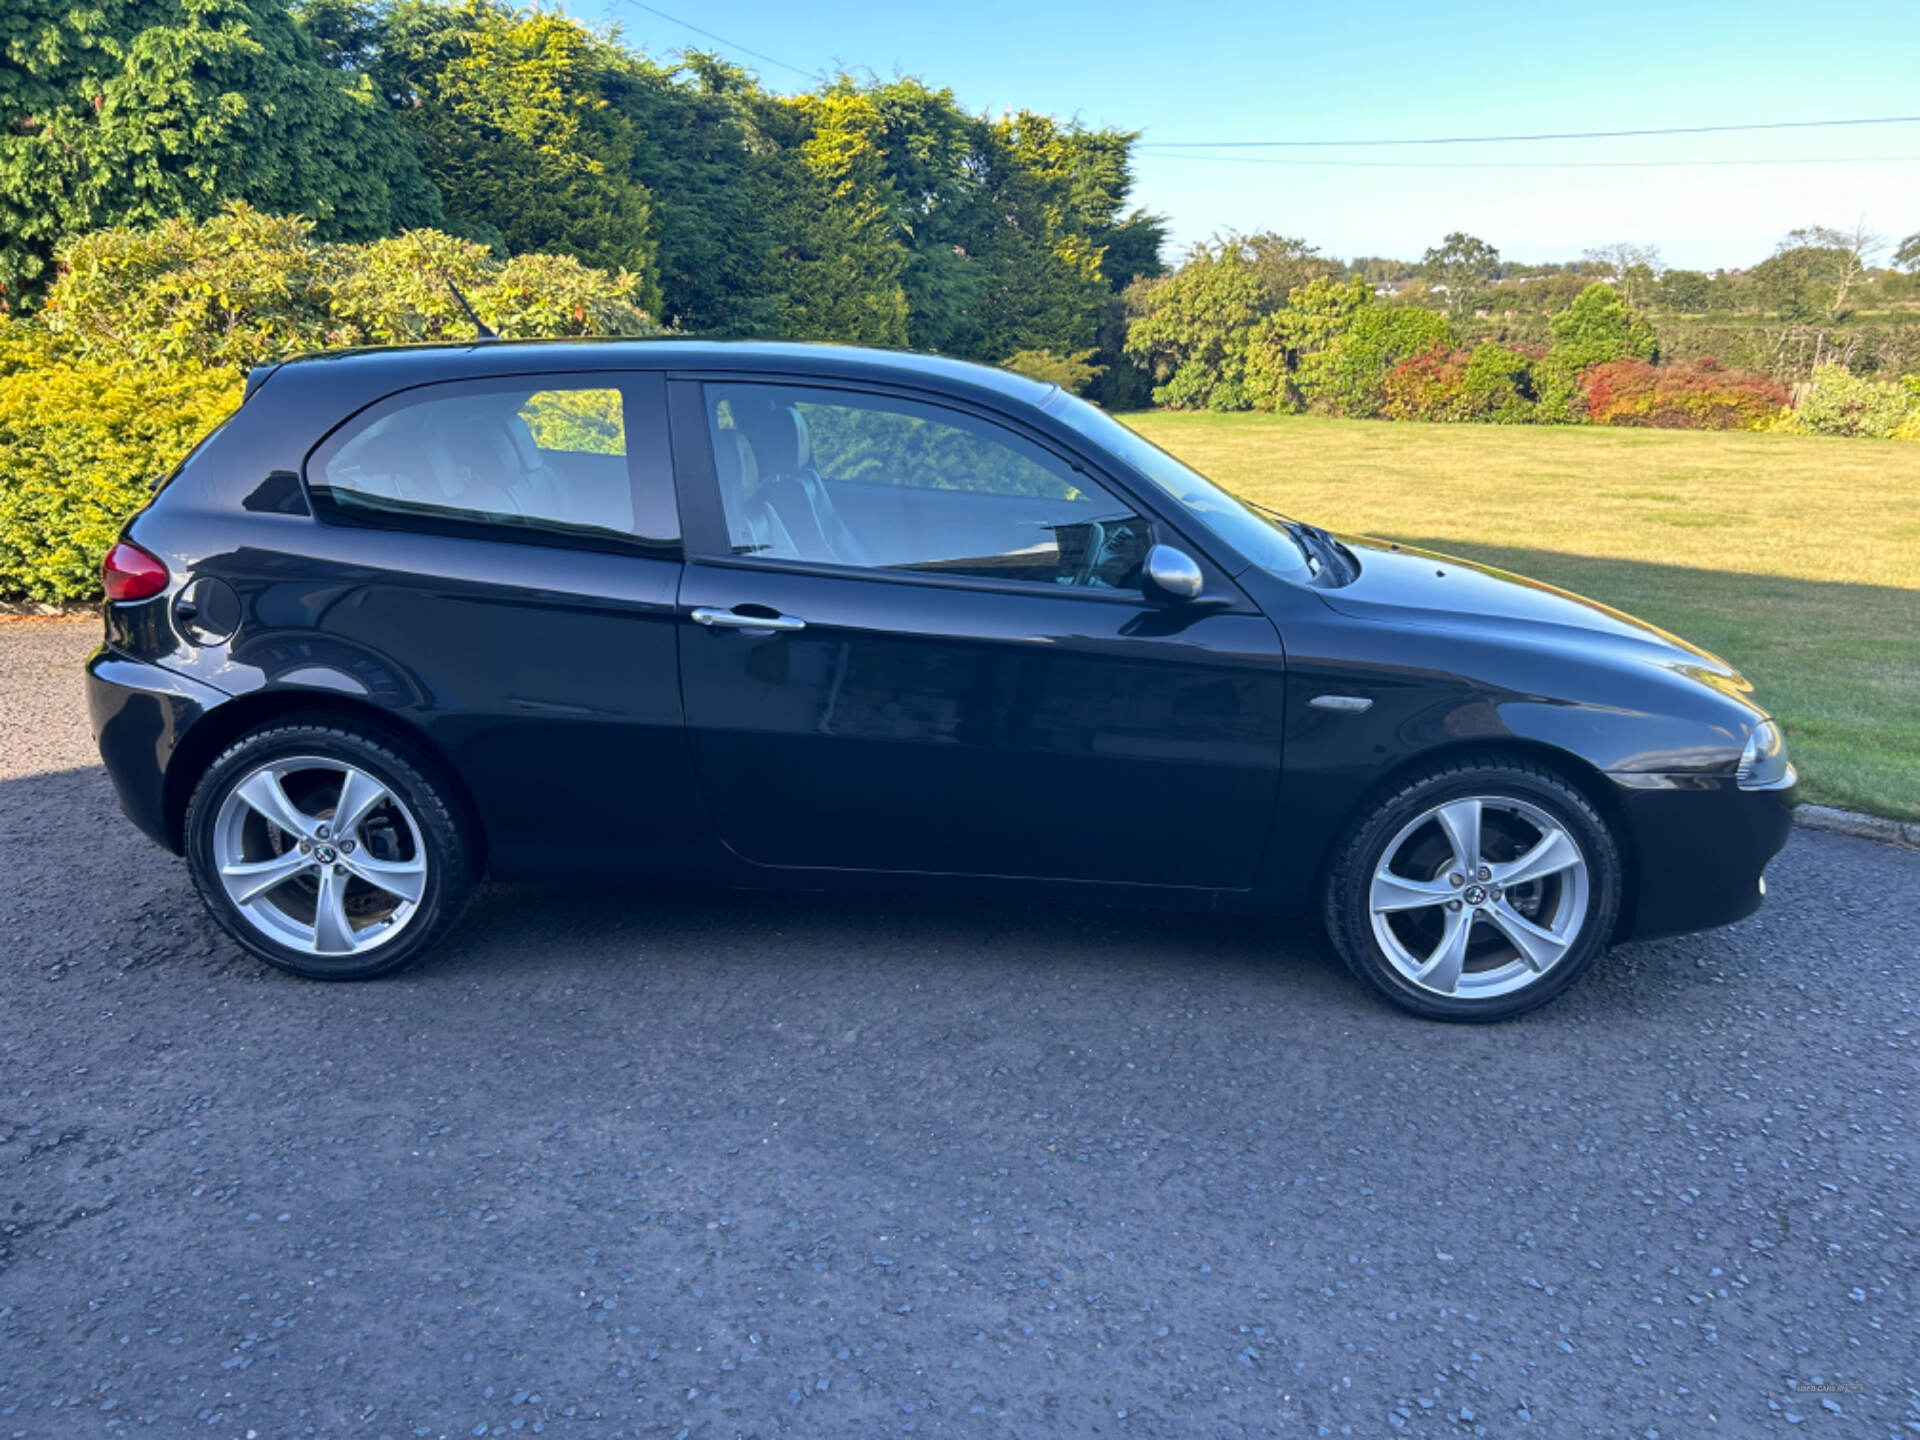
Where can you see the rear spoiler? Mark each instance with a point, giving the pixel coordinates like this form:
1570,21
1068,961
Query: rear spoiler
258,376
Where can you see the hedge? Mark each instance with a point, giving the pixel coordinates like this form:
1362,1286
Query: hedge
80,440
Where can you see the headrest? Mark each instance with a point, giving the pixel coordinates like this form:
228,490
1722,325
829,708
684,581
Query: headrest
739,473
521,434
775,431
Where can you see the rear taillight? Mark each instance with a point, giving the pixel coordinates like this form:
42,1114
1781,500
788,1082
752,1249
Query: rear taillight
130,573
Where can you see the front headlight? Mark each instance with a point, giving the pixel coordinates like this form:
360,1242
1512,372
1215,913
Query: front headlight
1763,764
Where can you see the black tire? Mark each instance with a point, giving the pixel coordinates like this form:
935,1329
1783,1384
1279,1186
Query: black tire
1362,842
441,822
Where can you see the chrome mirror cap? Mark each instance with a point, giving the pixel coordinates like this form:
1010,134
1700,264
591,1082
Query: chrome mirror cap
1174,573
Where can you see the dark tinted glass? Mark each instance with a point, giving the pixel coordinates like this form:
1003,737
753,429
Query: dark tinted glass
844,478
544,457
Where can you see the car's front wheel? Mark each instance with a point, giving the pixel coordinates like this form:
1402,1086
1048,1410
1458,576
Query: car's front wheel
331,853
1477,890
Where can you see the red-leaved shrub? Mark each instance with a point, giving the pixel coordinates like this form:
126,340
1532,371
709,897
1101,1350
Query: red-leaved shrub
1700,396
1426,386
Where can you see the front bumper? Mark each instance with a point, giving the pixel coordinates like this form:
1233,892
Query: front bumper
1700,847
140,714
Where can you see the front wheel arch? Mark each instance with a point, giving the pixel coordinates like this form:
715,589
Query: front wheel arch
1543,797
1591,782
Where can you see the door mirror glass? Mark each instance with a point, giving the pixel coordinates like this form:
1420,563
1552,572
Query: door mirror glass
1174,573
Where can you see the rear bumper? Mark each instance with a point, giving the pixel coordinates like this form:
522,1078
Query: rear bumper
1700,847
140,713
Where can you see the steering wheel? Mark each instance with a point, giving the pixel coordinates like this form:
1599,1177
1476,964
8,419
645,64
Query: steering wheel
1096,552
1105,542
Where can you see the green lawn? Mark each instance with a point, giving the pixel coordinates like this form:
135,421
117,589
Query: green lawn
1796,558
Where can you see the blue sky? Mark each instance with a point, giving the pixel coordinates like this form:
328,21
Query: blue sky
1230,70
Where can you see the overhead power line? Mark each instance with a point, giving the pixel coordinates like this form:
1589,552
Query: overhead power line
721,39
1148,152
1505,139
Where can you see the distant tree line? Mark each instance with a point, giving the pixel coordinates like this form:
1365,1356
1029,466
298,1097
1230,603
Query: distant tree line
1266,322
1817,274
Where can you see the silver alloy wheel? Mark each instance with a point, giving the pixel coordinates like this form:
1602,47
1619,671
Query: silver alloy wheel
320,856
1479,897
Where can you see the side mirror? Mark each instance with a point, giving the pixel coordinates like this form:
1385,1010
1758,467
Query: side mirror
1173,573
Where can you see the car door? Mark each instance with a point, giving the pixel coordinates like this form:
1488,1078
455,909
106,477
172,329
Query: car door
914,638
497,561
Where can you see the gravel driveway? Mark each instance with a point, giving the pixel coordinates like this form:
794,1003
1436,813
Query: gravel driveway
632,1164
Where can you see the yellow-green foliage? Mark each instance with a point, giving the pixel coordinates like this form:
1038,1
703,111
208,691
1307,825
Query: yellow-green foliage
1072,373
586,421
79,441
147,332
245,287
1837,402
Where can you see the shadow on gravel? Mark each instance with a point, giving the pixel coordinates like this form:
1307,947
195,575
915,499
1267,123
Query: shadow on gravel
73,866
523,928
81,887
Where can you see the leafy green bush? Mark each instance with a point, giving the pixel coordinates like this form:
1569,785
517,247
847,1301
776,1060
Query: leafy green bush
1328,349
1072,373
1197,330
1909,428
1350,378
1835,402
1500,384
1599,327
79,441
1291,348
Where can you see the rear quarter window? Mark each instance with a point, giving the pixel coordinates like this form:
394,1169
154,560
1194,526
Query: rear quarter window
534,458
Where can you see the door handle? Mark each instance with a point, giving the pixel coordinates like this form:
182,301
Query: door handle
757,624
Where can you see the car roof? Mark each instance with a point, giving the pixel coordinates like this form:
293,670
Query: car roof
395,367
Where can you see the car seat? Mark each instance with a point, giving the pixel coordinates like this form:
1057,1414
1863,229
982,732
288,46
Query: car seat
789,491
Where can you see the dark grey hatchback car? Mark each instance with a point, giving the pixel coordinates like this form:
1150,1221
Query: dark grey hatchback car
809,616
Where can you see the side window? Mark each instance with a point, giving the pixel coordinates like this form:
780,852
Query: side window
543,456
842,478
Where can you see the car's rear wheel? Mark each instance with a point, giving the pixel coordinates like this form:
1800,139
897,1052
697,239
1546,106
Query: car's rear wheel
1477,890
330,853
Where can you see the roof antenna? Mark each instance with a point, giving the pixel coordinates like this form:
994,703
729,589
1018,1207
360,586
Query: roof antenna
486,331
483,330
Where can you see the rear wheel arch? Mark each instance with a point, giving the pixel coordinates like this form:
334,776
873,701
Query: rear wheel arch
206,741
